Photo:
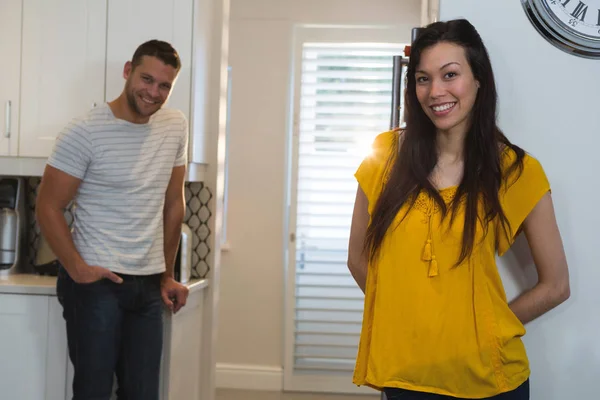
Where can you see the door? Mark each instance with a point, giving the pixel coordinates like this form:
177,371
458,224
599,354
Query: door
132,22
24,346
343,99
183,367
10,48
58,353
63,68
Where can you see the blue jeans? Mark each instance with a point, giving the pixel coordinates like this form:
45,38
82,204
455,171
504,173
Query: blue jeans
520,393
113,329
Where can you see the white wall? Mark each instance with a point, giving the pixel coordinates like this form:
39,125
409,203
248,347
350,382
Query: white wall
549,105
251,309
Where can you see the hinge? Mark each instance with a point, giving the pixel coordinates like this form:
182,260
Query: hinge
292,237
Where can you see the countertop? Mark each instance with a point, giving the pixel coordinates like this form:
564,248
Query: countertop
46,285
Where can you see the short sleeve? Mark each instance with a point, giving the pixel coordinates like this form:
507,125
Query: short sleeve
73,150
182,151
519,198
372,171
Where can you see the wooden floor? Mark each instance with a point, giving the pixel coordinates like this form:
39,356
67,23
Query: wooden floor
231,394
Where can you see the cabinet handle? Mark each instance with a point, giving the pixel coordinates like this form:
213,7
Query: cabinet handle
94,105
7,119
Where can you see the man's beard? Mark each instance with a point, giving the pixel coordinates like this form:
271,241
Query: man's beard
131,100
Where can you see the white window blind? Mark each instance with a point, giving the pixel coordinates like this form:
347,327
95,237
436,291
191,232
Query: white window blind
345,101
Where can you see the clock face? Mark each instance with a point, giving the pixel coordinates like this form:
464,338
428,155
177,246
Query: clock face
582,18
571,25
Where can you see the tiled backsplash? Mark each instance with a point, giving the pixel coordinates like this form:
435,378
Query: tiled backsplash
197,216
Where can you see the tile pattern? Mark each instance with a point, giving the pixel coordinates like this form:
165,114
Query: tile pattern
197,216
31,189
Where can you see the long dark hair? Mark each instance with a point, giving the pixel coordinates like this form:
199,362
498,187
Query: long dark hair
415,155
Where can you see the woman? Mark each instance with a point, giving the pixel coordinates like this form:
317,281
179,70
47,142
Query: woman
435,203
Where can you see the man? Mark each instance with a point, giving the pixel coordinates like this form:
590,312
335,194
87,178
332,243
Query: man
123,165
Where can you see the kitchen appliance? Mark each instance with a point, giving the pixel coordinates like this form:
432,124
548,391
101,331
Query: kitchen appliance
13,223
45,263
183,260
400,67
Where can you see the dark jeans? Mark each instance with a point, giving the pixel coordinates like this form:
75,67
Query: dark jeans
520,393
113,329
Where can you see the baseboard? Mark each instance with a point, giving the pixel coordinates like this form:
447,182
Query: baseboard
249,377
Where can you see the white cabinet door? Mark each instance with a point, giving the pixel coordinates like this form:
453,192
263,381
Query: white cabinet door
23,346
10,48
131,23
64,45
56,363
183,366
70,375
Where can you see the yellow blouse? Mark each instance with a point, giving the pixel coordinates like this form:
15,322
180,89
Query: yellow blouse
429,326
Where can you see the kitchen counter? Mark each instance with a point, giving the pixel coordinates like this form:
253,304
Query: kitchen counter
28,284
46,285
34,344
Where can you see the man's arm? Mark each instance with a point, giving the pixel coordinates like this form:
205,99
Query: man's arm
173,214
173,293
56,191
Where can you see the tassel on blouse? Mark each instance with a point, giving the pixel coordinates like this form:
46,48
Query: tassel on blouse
433,267
428,250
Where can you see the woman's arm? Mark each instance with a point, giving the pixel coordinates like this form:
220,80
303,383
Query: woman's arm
357,258
544,239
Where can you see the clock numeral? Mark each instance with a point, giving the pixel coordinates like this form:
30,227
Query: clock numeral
566,2
598,19
580,11
553,2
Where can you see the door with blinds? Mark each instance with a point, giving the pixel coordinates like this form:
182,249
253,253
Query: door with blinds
342,100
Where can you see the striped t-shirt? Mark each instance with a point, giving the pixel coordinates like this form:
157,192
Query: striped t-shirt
125,169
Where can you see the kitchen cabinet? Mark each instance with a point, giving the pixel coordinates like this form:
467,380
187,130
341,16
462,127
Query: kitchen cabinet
33,348
33,344
183,365
63,52
132,22
10,48
62,57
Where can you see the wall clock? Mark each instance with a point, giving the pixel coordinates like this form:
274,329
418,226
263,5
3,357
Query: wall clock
571,25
